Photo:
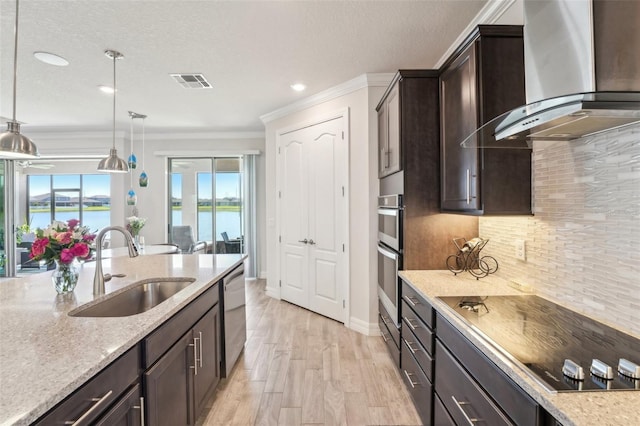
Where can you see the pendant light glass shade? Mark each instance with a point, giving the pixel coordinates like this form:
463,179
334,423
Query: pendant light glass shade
13,145
113,164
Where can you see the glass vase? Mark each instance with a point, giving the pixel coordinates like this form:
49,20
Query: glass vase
65,276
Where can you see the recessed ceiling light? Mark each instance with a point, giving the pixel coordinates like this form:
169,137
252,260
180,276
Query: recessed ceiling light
298,87
106,89
51,59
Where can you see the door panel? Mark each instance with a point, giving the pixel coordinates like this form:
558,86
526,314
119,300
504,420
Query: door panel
294,223
313,171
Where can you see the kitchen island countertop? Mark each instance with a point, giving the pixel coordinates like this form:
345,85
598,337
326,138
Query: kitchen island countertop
45,354
615,408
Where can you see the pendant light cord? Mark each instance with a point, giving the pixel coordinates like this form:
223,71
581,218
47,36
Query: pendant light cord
143,143
15,61
115,58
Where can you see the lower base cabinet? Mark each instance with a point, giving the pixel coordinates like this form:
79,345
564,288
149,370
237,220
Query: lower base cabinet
179,384
128,411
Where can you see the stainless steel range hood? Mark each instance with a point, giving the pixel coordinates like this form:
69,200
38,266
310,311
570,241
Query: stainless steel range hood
582,74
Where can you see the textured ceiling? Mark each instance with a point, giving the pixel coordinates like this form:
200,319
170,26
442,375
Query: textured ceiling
251,52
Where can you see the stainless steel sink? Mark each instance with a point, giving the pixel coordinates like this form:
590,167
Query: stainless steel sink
140,297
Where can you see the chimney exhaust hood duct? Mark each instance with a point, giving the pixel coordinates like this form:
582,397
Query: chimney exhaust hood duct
582,73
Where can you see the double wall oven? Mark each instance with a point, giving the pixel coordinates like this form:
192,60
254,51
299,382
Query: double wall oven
389,254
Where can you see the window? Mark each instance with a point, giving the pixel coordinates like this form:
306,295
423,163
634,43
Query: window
63,197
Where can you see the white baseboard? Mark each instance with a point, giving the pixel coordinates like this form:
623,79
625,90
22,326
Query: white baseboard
366,328
272,292
263,275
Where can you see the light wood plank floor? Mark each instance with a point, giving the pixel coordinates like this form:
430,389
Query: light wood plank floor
300,368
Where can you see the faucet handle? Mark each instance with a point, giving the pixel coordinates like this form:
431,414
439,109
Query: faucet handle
107,277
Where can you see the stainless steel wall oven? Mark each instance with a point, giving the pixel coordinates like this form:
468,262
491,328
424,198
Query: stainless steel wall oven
389,253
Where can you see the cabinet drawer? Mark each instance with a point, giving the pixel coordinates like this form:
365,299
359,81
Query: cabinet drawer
394,350
519,406
417,383
128,411
160,340
460,394
424,359
391,327
95,396
418,303
440,415
412,322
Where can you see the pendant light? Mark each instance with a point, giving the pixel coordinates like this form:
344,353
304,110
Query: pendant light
113,164
14,145
143,181
132,198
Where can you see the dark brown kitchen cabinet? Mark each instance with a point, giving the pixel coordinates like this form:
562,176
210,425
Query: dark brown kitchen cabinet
471,386
389,147
481,80
128,411
91,402
180,380
417,350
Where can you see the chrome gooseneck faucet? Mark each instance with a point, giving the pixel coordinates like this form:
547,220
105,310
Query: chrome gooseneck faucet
99,279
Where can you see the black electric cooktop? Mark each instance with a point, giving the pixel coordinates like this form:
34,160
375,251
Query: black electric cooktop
542,335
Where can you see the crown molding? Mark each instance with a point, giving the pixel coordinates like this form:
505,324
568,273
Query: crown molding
489,14
56,134
360,82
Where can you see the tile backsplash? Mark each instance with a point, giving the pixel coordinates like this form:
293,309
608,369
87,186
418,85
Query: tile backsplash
583,242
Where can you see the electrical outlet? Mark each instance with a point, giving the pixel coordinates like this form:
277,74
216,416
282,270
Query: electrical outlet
521,252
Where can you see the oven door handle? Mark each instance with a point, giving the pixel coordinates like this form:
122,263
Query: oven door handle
387,253
388,212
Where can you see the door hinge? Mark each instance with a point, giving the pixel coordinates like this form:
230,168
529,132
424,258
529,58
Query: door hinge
280,283
343,304
343,248
343,191
279,194
278,150
279,238
343,135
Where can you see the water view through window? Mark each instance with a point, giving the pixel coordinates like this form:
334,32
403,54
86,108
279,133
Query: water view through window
64,197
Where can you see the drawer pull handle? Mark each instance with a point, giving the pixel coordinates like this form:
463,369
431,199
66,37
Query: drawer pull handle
411,382
459,404
410,323
200,332
384,319
195,356
412,300
90,411
413,351
141,408
384,336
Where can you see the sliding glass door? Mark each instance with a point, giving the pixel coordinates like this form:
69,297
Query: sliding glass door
207,202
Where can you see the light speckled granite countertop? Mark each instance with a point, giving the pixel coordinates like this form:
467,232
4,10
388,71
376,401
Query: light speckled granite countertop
46,354
615,408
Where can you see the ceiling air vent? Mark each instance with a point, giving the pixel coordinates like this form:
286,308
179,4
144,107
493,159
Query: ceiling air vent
192,81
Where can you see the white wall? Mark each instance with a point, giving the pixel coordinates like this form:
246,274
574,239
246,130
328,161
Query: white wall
152,199
363,189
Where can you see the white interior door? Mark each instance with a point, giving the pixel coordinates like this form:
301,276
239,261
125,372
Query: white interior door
313,217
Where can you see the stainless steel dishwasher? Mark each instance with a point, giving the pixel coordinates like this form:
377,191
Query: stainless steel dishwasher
234,320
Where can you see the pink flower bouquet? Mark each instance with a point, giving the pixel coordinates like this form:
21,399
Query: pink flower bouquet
63,242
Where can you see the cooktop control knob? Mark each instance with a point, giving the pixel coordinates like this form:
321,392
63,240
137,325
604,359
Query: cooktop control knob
601,370
629,369
572,370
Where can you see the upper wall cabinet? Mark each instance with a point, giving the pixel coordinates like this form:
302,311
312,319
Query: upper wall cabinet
483,79
389,148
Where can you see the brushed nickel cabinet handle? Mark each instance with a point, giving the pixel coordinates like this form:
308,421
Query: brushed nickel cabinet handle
413,351
411,382
90,411
409,322
194,345
468,186
459,404
141,408
200,333
412,300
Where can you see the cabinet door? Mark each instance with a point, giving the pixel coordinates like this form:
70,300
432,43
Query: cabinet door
207,375
383,140
169,385
459,118
127,411
393,143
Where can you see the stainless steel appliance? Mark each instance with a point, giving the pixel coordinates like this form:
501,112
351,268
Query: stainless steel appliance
390,221
389,253
234,320
559,348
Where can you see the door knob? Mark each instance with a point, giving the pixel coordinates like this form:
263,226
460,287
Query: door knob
305,241
312,242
